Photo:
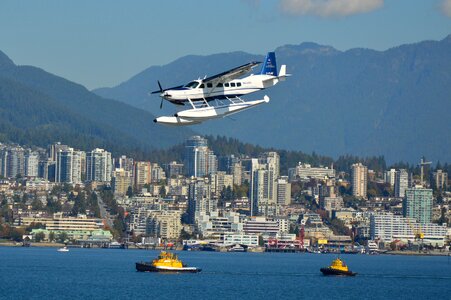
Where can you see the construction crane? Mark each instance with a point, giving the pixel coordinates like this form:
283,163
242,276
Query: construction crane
422,164
418,233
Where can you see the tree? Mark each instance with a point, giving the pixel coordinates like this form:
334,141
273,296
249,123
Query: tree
163,190
51,236
38,237
129,192
62,237
37,204
338,227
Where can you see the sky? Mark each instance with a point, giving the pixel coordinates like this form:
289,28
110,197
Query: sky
103,43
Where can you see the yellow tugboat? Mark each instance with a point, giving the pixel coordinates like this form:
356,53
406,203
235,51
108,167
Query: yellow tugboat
338,267
166,262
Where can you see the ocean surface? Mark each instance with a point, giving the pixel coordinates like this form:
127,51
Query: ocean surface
44,273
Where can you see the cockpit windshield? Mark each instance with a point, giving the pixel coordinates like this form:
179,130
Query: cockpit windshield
192,84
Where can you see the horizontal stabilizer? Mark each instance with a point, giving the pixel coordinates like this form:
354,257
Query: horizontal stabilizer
283,72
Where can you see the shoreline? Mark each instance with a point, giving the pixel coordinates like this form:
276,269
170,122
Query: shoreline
59,245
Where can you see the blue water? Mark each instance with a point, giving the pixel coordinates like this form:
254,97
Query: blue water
44,273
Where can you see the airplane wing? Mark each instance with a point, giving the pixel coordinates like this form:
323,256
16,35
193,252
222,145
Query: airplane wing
231,74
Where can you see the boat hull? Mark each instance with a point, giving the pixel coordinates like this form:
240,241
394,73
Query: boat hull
148,267
330,271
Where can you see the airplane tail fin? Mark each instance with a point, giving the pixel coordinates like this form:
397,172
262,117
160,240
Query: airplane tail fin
269,66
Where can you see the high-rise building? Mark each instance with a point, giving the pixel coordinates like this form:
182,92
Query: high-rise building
157,173
121,182
31,164
98,165
54,149
389,177
124,162
263,190
68,167
64,162
219,181
200,161
359,180
13,161
142,174
440,180
237,172
174,169
226,163
418,204
200,200
401,183
283,191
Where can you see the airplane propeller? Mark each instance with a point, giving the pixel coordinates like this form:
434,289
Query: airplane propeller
159,92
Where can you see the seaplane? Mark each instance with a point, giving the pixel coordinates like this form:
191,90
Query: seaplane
220,95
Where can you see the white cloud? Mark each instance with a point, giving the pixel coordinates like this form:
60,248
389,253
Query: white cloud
446,7
330,8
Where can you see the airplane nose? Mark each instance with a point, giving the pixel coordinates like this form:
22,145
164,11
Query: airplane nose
165,95
155,120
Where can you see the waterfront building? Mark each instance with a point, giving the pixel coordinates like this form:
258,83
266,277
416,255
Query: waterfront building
215,226
401,183
250,240
261,225
98,165
417,204
306,171
141,174
389,227
359,180
80,227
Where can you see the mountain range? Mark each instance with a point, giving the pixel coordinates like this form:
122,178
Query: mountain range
39,108
363,102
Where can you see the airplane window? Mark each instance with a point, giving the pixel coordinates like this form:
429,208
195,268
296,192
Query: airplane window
232,84
219,85
238,84
226,84
209,85
202,86
192,84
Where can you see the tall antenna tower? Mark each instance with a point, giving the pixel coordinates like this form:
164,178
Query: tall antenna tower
422,164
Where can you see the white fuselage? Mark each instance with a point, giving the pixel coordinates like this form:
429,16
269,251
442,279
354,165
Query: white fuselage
197,90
